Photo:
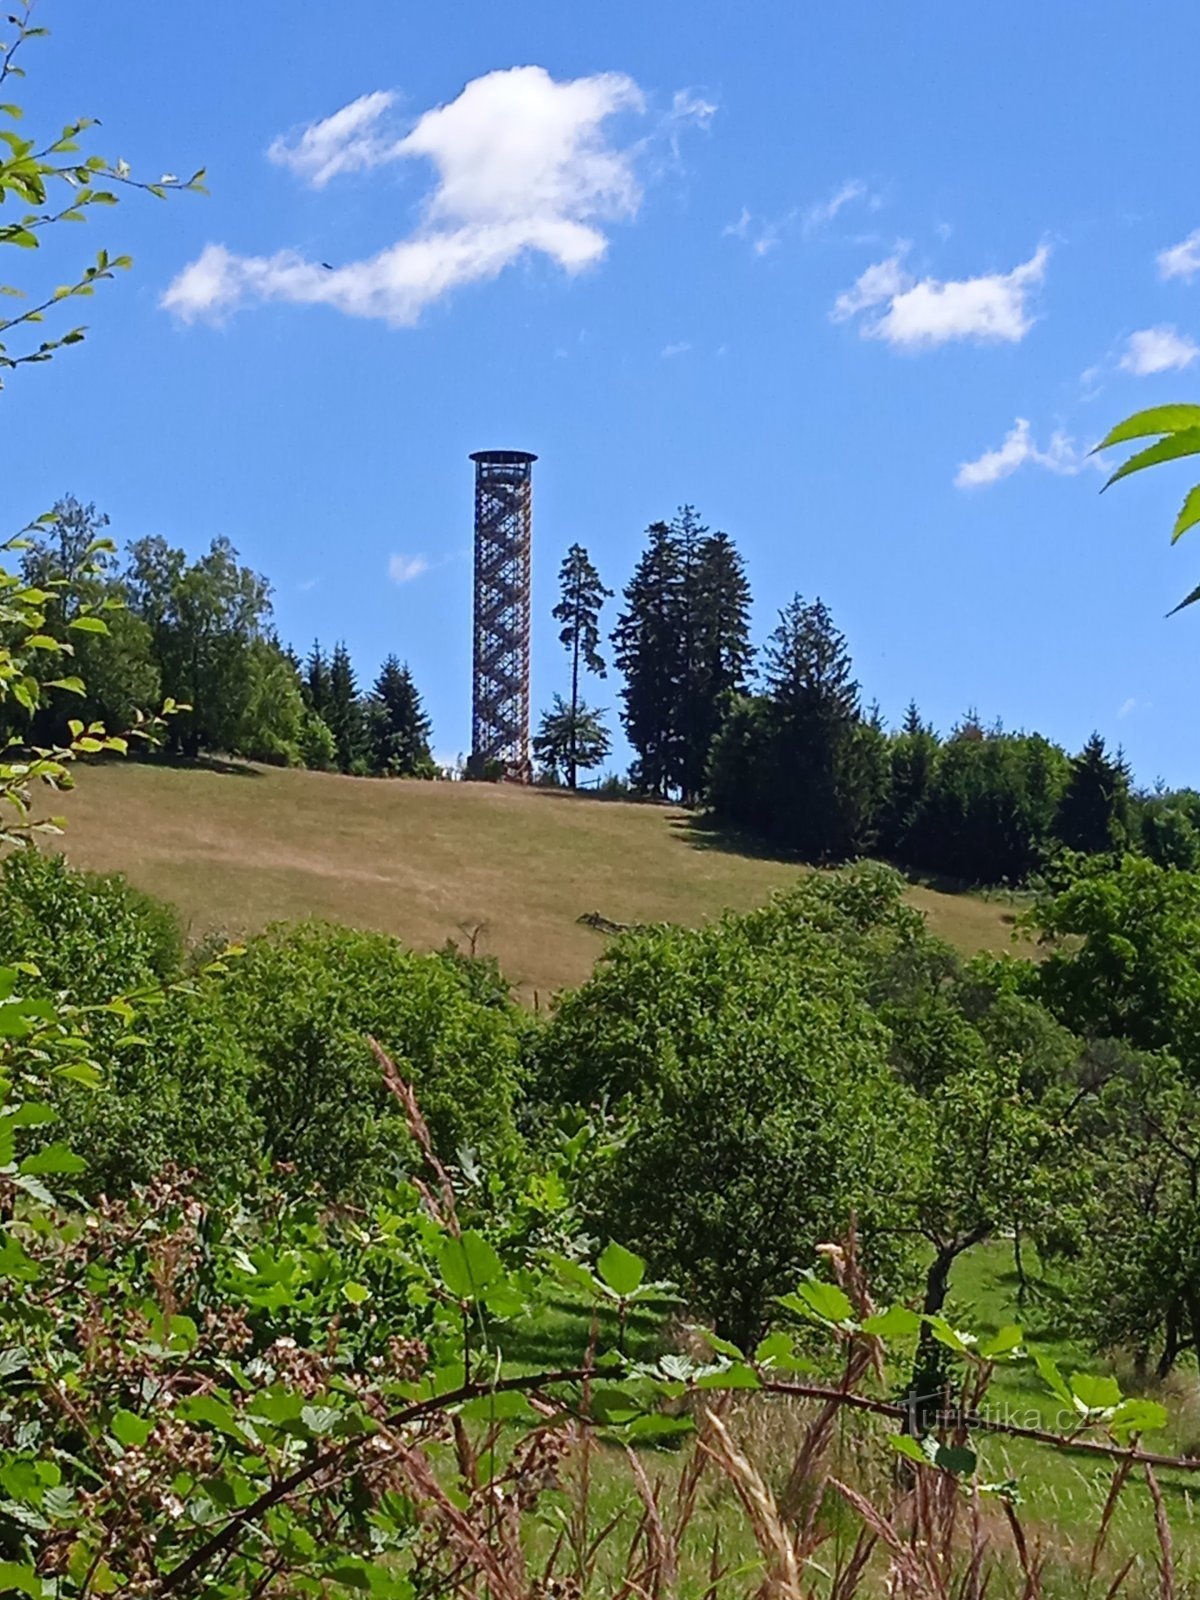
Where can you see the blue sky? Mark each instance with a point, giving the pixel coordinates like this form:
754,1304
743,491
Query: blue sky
862,283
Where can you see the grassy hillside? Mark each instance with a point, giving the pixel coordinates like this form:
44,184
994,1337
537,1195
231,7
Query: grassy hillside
237,848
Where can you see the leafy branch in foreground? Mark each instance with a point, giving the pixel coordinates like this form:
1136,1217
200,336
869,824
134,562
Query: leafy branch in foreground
1176,432
32,172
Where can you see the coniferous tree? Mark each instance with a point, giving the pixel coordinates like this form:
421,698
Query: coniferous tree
570,737
647,647
913,757
582,596
723,653
399,728
1094,812
683,645
824,769
345,713
316,680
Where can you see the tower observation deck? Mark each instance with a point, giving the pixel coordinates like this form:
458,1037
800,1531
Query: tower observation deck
503,550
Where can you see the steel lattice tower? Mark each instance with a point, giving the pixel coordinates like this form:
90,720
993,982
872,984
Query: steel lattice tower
503,539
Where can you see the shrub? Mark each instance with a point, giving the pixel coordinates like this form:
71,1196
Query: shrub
177,1098
303,1000
88,934
318,748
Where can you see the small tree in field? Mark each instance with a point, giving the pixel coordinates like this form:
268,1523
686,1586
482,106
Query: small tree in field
571,737
578,610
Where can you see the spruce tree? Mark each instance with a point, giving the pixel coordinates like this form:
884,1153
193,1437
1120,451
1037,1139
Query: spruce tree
399,727
316,680
683,644
646,641
582,596
345,713
723,655
1093,815
823,769
913,756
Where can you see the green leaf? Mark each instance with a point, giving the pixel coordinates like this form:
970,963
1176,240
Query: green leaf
82,1072
356,1293
1054,1380
658,1426
953,1338
904,1445
1189,514
897,1322
88,625
824,1301
1172,448
55,1158
32,1114
736,1377
469,1265
129,1429
955,1458
1189,601
16,1577
206,1408
501,1407
1095,1393
1138,1416
1001,1343
575,1275
621,1270
1157,419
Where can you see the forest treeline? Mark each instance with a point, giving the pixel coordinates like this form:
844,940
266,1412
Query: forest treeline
776,742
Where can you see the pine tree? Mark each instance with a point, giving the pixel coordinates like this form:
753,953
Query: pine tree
316,680
345,713
1093,814
399,728
578,610
647,647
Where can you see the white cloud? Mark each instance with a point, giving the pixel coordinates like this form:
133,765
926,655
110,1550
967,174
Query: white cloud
992,308
1161,349
1061,456
679,349
403,569
826,210
740,228
762,234
1127,707
1182,260
345,142
688,106
524,166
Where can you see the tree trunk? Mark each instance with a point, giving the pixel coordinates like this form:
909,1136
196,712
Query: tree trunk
929,1364
1171,1344
1019,1264
573,764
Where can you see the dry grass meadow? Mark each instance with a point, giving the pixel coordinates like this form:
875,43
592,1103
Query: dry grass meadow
237,848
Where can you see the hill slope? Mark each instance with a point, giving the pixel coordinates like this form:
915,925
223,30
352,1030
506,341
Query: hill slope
235,849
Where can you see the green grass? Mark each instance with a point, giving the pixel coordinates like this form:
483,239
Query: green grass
1062,1492
235,849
